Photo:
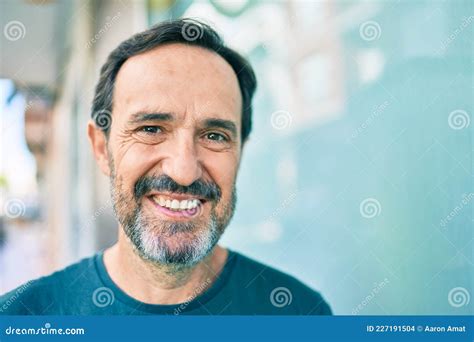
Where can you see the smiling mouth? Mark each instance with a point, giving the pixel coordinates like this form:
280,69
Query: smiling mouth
177,206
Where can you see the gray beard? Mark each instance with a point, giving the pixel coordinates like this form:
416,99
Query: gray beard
152,246
149,236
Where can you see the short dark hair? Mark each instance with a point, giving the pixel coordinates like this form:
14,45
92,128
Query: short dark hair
185,31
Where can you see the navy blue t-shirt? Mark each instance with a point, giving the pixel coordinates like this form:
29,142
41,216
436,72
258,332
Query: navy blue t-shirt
244,287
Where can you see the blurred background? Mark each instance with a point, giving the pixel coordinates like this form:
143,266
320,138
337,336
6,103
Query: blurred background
358,176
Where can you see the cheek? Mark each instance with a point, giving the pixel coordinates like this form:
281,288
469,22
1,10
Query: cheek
222,169
134,160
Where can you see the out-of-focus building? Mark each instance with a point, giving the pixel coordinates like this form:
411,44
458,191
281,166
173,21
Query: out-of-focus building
52,51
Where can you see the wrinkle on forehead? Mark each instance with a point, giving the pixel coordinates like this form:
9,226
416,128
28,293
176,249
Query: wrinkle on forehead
178,78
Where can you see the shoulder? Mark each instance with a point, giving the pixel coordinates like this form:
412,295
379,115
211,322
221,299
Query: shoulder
37,296
284,293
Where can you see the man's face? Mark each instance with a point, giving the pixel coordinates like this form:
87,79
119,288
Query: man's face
174,150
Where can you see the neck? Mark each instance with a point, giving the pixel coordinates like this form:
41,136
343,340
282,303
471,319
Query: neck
155,283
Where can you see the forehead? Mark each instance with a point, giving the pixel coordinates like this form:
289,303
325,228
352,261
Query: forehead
178,78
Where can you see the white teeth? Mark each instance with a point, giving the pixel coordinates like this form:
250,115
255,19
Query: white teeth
175,204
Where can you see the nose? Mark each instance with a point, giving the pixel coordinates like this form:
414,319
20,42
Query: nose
182,164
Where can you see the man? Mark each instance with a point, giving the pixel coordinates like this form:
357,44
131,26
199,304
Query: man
171,114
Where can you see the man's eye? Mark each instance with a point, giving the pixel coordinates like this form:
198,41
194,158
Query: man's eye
150,129
216,137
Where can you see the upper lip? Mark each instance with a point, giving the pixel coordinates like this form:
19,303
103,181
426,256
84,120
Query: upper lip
179,197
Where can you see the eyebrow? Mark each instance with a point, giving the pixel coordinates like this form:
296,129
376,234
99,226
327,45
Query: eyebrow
208,123
143,117
221,123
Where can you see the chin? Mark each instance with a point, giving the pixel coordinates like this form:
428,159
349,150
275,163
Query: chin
182,248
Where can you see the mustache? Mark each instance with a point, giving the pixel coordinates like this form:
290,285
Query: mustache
205,189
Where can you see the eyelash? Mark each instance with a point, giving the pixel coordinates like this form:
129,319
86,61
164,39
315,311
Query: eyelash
143,129
224,138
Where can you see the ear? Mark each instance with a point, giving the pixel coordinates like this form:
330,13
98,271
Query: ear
99,146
